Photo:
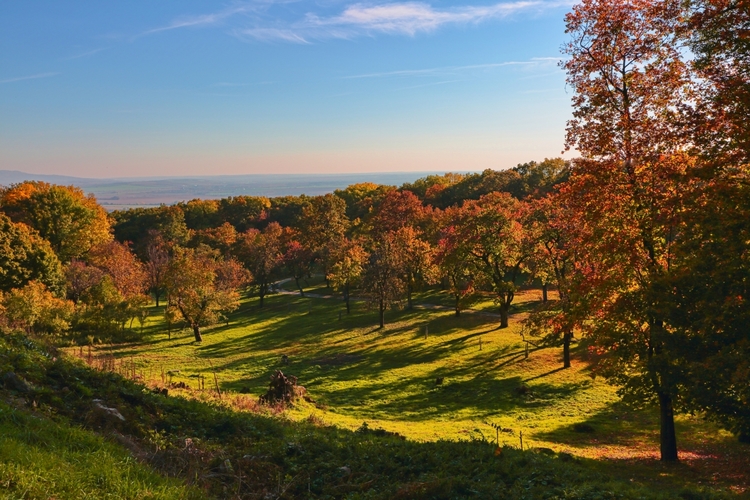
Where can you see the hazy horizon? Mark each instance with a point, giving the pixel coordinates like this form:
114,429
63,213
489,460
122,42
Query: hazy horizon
6,173
129,192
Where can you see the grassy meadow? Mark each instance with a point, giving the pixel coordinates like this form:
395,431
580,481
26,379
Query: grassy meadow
357,373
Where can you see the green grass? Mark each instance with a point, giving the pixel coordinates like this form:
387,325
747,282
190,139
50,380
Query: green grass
231,454
40,458
358,373
386,377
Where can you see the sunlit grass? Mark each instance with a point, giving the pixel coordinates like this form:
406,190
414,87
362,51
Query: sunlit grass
358,373
43,459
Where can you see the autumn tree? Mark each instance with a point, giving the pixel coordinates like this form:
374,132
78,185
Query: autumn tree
492,236
117,261
135,224
429,188
222,238
25,257
109,291
36,309
631,88
285,211
453,263
63,215
261,254
156,263
538,179
347,263
242,212
708,299
396,210
322,221
201,214
80,277
297,260
383,283
361,197
415,255
202,286
550,225
716,32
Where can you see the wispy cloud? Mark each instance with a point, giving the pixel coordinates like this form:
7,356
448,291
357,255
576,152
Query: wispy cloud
429,84
204,19
447,70
84,54
232,84
410,18
253,20
30,77
273,35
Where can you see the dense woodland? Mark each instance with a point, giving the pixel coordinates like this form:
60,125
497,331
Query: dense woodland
644,236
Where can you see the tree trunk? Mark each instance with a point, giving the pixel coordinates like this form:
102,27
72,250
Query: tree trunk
668,439
504,315
409,304
544,292
458,310
197,333
382,314
262,293
566,349
346,299
156,296
301,292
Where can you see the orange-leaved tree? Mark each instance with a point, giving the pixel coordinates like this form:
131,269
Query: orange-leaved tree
261,254
202,286
490,233
347,259
551,226
632,88
63,215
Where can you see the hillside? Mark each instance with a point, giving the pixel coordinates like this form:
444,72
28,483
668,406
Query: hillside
230,454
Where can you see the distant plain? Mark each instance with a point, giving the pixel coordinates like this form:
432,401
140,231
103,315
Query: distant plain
122,193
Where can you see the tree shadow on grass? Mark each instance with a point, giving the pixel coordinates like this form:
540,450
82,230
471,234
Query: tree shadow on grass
551,372
625,441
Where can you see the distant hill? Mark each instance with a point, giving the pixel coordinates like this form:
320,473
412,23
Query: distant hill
13,176
118,193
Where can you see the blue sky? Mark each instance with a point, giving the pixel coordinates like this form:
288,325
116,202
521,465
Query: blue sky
104,89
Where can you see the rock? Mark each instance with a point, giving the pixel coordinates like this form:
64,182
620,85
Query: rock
227,466
16,383
345,471
104,415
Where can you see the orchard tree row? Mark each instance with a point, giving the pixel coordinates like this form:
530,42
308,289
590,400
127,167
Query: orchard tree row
199,254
